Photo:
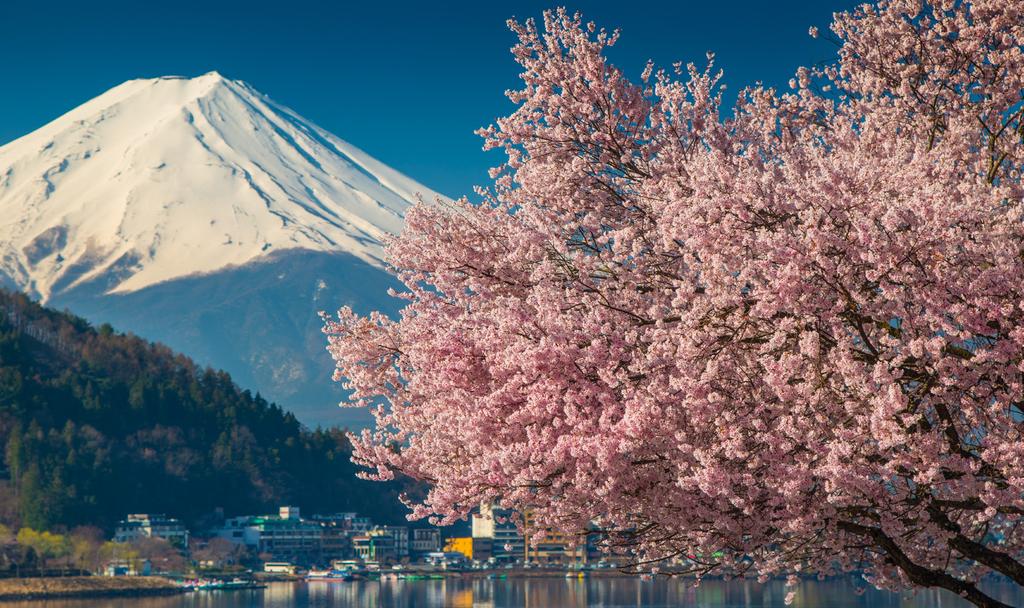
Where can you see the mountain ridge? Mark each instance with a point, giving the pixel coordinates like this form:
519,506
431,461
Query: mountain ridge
157,204
161,178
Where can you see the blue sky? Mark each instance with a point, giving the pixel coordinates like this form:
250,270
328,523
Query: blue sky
407,82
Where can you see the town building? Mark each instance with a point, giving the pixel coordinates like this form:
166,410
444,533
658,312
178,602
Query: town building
237,530
282,537
375,546
347,521
424,541
335,542
496,536
400,534
552,548
450,559
322,539
280,568
124,567
483,549
346,564
460,544
338,530
140,525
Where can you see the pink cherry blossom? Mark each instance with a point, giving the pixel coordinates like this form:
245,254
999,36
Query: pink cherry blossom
783,338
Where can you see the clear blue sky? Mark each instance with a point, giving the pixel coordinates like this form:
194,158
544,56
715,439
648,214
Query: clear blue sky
408,82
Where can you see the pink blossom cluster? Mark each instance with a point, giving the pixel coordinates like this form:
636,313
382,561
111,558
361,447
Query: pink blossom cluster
783,339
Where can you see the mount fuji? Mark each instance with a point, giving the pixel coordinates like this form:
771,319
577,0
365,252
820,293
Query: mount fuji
199,213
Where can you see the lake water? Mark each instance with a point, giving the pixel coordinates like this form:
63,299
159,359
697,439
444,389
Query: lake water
537,593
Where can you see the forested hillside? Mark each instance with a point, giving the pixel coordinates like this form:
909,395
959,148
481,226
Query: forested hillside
96,424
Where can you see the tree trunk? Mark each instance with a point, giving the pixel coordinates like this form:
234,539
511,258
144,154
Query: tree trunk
919,575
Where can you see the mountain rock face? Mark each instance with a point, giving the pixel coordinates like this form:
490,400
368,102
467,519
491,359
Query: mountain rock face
201,214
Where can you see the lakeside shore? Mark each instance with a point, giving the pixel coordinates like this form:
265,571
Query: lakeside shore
482,573
85,586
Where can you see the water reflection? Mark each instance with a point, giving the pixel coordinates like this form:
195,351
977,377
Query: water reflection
540,593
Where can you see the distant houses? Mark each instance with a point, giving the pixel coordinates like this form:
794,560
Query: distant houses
284,536
280,568
497,539
376,546
143,525
321,539
125,567
286,540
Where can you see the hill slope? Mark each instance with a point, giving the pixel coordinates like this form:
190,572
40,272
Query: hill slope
96,424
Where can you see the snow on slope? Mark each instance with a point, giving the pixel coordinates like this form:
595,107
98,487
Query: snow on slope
159,179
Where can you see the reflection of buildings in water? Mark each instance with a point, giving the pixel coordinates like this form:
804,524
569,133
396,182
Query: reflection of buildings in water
595,592
599,591
483,593
543,593
577,592
280,593
436,592
358,594
712,592
462,598
753,594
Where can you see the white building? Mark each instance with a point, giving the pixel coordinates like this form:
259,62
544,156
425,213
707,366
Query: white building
347,521
425,540
495,525
280,568
139,525
285,536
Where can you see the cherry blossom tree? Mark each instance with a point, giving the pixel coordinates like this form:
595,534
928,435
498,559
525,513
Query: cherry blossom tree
788,336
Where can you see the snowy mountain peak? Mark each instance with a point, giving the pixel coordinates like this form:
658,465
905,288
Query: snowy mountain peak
162,178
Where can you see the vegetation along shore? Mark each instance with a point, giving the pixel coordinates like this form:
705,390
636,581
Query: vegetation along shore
85,586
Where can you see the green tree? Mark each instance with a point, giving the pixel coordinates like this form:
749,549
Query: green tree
107,423
46,545
13,454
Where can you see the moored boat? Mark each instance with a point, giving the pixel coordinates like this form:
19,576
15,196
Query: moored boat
218,585
328,576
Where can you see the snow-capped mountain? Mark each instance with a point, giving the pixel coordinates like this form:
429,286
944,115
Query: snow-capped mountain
200,213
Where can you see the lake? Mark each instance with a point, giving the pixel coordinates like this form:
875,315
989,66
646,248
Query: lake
537,593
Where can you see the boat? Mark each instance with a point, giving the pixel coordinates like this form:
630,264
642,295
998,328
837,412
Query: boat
329,576
216,585
240,584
